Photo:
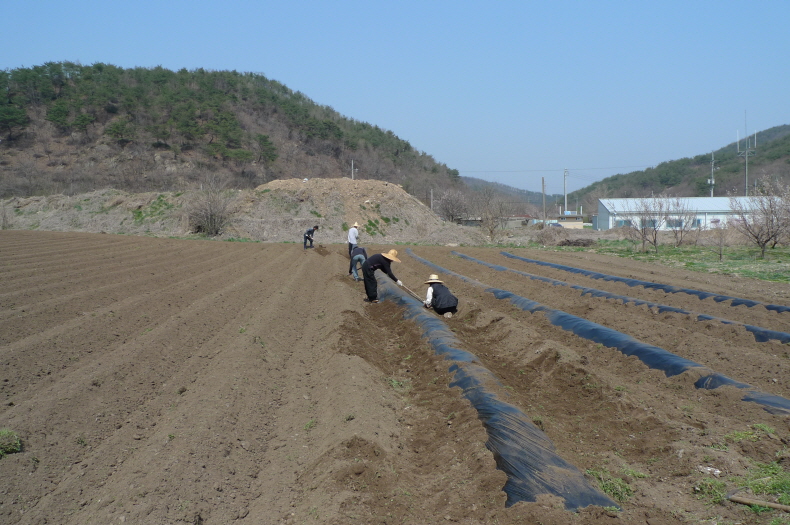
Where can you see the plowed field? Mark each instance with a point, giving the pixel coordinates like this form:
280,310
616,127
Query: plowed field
159,381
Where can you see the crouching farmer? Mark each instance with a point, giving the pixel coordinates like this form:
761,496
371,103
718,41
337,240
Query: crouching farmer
440,298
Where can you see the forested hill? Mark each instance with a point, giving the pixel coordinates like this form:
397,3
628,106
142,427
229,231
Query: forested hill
688,177
70,128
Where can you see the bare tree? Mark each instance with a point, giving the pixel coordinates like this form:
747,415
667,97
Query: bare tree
680,219
590,201
209,208
784,195
452,205
491,209
763,217
30,179
716,239
646,217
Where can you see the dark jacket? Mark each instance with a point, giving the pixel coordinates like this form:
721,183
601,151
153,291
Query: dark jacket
359,250
378,262
309,233
442,298
356,251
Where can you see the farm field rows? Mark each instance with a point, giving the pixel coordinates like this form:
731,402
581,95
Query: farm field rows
171,381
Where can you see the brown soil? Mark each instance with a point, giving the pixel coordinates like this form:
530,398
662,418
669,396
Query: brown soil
160,381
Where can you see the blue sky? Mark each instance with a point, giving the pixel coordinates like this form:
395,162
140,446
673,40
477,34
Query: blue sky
505,91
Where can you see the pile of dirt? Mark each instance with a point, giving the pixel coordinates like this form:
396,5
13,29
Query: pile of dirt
577,242
384,211
278,211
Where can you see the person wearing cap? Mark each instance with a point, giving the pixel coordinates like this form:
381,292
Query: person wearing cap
308,236
358,256
439,297
378,261
353,236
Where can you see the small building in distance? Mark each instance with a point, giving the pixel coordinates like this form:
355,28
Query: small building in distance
704,212
469,221
516,221
571,219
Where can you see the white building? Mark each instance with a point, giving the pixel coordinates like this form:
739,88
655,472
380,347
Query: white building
708,212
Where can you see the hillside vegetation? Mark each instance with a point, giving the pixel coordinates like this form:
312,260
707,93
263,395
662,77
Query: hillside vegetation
70,128
688,177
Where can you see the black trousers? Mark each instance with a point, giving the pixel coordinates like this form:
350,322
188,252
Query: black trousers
371,286
442,311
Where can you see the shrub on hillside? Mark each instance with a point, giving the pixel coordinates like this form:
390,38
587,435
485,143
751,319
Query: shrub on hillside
9,442
209,208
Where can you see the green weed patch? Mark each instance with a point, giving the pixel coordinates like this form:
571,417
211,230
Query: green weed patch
9,442
612,486
741,261
155,210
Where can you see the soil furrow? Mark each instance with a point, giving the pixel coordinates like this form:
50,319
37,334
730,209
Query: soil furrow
224,382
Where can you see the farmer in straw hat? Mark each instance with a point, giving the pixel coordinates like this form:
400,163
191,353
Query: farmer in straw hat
440,298
353,236
378,261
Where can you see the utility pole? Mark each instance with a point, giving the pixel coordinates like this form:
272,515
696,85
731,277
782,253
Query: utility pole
543,185
352,169
565,189
711,182
746,153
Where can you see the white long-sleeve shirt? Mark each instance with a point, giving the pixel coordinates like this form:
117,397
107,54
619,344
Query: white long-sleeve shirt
353,234
429,297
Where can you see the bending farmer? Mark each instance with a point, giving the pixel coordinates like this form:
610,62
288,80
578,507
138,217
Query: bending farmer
440,298
358,256
378,261
308,236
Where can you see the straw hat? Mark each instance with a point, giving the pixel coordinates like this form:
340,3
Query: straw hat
433,278
392,255
355,225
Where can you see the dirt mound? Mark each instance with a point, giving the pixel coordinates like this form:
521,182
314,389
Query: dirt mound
576,242
278,211
384,211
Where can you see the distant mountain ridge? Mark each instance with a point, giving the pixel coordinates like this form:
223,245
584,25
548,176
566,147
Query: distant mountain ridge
688,177
511,193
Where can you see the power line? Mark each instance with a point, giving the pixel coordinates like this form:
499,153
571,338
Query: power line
585,177
555,169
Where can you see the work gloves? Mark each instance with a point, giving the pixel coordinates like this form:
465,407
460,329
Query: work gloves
399,283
